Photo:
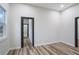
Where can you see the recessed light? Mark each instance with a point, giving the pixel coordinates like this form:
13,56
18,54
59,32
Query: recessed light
61,5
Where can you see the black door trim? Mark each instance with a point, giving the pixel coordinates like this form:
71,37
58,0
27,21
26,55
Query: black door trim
76,31
22,39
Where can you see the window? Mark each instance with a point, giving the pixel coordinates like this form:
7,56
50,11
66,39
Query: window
2,22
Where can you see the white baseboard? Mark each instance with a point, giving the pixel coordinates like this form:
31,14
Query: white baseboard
11,49
14,48
68,43
53,43
45,43
6,52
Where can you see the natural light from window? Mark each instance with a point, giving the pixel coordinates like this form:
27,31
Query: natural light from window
2,22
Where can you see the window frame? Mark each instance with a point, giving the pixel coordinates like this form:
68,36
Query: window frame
5,25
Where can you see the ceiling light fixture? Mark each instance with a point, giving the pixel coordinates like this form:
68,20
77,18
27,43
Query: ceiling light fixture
61,5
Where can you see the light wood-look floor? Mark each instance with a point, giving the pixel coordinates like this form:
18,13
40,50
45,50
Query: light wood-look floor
27,42
50,49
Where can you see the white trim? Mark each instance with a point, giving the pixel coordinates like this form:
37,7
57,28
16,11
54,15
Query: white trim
4,30
6,52
53,43
10,49
68,43
14,48
45,43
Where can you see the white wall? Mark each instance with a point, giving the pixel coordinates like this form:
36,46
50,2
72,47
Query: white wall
46,24
30,30
68,24
4,42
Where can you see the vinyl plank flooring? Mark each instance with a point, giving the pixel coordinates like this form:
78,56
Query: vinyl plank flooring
43,51
65,49
49,49
58,52
35,52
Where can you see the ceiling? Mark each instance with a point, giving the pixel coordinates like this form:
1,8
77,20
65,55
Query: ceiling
54,6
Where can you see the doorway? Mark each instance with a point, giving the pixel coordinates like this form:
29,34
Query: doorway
76,31
27,31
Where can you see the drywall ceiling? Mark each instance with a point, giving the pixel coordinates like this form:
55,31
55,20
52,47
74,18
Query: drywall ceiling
55,6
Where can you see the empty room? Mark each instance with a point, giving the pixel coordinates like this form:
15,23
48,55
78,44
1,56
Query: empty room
39,28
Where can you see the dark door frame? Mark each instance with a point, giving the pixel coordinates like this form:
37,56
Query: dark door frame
76,31
22,39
